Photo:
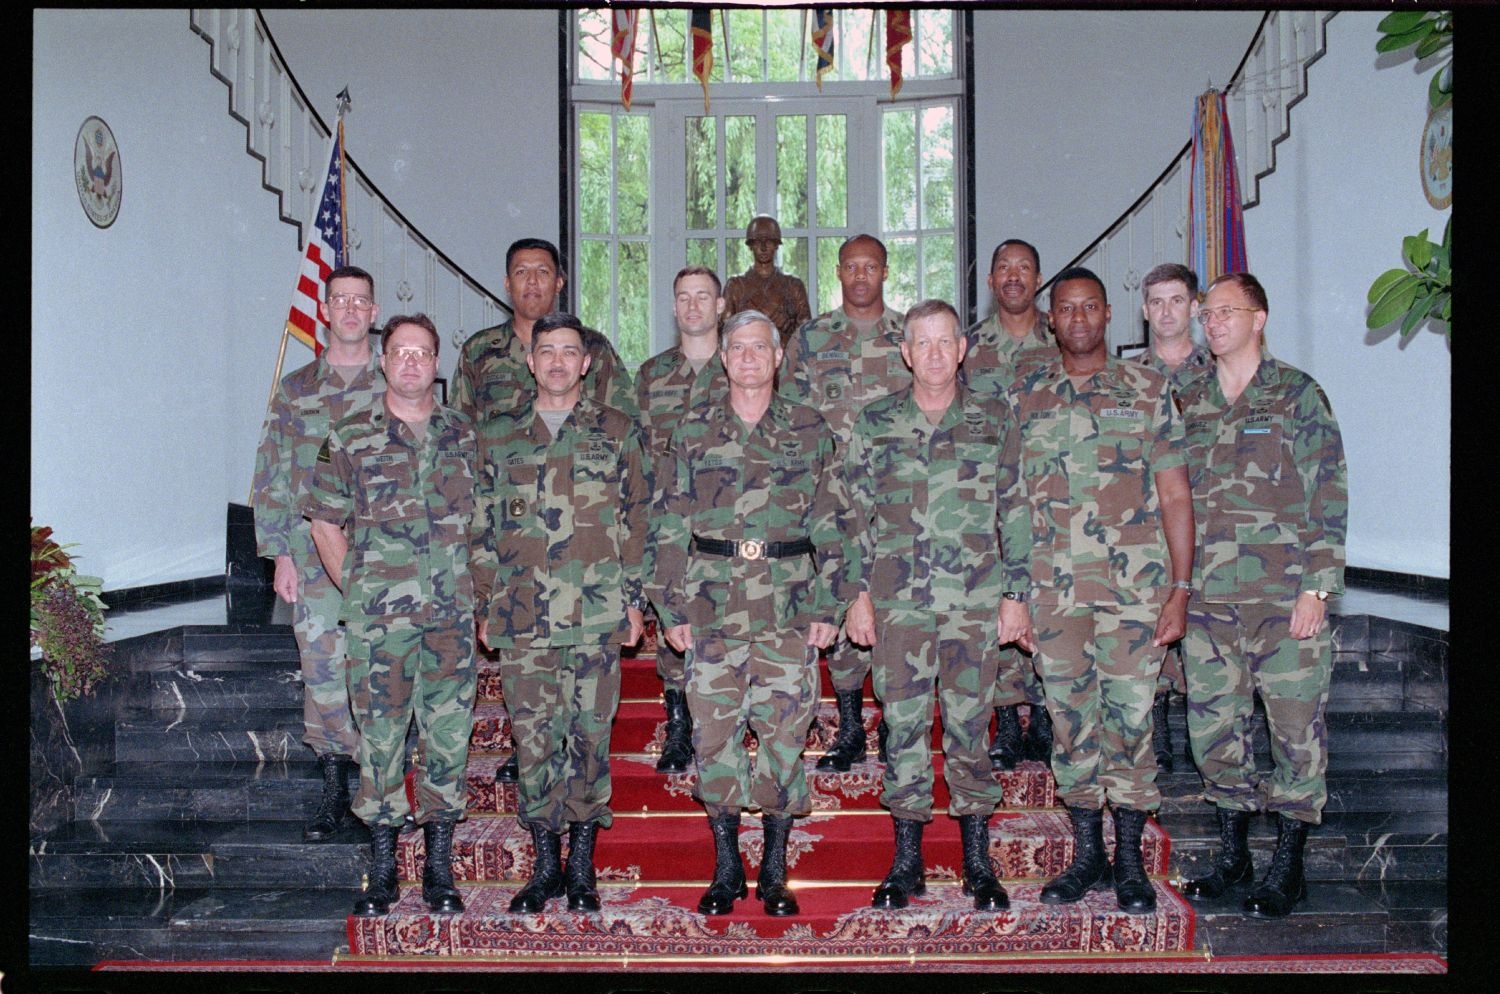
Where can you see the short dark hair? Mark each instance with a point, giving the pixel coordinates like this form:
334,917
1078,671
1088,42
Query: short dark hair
698,271
884,257
1079,273
553,321
1169,272
1036,257
419,319
930,308
522,244
1249,285
348,271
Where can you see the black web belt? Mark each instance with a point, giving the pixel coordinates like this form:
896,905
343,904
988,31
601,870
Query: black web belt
751,549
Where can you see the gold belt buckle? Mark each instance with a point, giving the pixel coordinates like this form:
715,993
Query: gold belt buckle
751,549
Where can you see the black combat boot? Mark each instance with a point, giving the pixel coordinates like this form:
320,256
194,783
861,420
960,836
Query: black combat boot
849,744
775,896
510,770
1090,867
1161,733
438,891
1284,884
1005,751
1039,735
908,876
677,751
546,873
583,887
380,882
729,872
1133,890
333,806
979,872
1232,862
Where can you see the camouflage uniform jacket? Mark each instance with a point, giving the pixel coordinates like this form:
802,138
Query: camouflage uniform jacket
780,297
492,377
666,388
1180,376
1088,464
560,526
993,358
930,504
775,481
1270,497
827,368
307,403
410,501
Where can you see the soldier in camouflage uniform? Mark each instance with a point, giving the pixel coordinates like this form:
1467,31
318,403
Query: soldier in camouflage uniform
1011,339
667,386
780,296
344,377
749,544
400,475
1111,557
492,377
563,505
1170,302
838,363
927,467
1271,500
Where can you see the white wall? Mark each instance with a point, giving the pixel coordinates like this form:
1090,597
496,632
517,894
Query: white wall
153,341
1331,218
1076,112
455,117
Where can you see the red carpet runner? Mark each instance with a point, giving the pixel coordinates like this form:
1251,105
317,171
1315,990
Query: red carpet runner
656,860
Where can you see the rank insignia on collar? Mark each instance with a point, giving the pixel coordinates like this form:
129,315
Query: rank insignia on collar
517,507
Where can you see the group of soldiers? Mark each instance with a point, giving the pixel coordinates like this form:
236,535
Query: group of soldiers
983,520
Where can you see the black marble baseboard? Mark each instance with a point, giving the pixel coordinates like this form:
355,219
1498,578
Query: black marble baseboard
162,594
1386,581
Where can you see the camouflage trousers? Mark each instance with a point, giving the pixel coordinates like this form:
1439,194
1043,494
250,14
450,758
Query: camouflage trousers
328,725
1099,671
562,701
848,664
1235,651
954,657
1016,681
771,688
402,671
1172,677
671,665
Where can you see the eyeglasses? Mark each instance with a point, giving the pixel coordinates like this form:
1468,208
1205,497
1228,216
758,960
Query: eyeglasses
407,353
346,300
1207,314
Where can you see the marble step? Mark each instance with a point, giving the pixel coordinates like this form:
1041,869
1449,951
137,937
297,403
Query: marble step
1350,846
1348,790
79,927
1336,917
180,690
1418,911
254,734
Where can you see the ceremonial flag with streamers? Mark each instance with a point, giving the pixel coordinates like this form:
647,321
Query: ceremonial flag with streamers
703,48
325,249
622,47
897,35
1216,219
822,41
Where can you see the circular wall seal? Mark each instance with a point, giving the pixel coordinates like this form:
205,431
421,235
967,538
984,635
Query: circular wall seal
1437,155
96,170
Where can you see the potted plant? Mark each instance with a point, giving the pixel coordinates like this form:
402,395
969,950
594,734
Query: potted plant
67,619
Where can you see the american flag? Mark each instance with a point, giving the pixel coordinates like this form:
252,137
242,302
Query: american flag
622,47
822,41
897,36
325,249
702,26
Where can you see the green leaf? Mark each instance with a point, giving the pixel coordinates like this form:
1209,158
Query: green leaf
1417,249
1395,43
1447,314
1395,303
1433,44
1416,315
1401,21
1383,283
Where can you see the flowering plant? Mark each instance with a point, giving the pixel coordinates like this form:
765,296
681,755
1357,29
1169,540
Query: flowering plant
67,619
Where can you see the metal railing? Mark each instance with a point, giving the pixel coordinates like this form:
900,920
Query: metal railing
1270,80
290,138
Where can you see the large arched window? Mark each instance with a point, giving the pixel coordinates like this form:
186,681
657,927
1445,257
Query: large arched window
668,183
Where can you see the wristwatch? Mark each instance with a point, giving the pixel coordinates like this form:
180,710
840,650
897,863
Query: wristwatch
1321,595
1182,585
1015,595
